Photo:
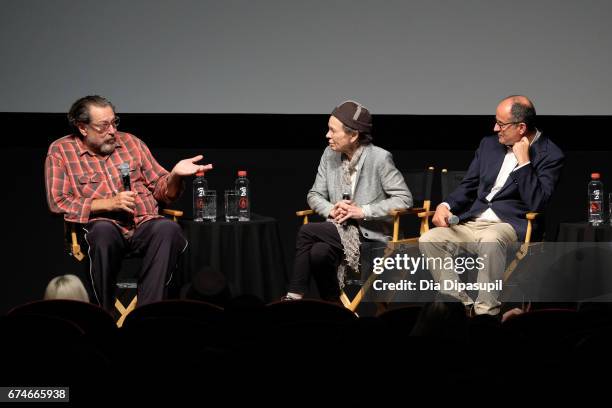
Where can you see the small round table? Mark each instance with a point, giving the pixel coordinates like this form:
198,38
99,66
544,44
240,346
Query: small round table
587,255
248,253
584,232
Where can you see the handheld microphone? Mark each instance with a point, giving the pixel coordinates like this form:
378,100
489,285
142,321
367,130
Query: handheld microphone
452,220
345,196
124,168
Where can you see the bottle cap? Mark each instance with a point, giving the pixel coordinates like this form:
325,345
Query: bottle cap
200,173
242,173
595,176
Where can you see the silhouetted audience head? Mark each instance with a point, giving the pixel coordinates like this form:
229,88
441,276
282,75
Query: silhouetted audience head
66,287
207,285
444,318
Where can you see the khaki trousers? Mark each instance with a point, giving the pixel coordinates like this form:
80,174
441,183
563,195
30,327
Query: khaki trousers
487,240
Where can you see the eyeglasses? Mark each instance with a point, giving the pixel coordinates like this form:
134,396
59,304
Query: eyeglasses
502,125
104,126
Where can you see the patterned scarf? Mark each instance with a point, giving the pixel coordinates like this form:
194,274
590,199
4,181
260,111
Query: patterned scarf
349,231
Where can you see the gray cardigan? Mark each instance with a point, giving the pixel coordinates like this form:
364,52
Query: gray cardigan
379,188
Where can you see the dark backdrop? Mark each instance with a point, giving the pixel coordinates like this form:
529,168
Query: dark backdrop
280,152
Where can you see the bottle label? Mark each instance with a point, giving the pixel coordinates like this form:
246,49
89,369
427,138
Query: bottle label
596,195
243,203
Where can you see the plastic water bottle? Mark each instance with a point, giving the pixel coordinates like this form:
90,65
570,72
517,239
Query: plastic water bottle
596,195
244,198
200,185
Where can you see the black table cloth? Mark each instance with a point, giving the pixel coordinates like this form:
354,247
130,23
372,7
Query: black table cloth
584,254
584,232
248,253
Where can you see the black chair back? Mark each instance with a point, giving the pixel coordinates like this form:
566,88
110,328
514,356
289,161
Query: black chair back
91,319
419,182
307,310
180,309
450,180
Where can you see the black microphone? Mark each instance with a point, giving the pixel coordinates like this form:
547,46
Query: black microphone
124,168
452,220
345,196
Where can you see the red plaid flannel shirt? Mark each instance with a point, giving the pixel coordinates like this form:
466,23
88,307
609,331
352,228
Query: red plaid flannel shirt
75,176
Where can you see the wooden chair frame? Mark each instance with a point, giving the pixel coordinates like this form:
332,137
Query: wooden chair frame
74,249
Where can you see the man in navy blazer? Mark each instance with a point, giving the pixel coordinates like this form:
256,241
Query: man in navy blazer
513,172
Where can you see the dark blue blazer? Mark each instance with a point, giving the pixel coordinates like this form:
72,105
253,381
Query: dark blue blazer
527,189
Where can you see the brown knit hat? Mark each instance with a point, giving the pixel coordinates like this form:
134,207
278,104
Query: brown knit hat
354,115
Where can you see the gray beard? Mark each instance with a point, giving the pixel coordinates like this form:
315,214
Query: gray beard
107,148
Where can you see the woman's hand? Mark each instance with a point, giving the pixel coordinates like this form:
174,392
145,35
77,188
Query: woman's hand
345,210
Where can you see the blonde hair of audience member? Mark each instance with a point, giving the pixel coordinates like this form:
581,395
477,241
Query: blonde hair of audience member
66,287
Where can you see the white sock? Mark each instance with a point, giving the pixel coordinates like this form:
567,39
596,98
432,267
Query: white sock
294,295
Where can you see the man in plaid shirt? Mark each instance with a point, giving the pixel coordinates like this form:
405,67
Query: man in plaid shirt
84,183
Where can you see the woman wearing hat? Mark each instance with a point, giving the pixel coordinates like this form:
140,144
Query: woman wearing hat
356,186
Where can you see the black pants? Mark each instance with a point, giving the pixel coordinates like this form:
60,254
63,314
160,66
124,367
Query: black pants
318,253
159,242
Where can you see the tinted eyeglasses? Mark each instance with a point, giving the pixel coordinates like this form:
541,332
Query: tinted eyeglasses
104,126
